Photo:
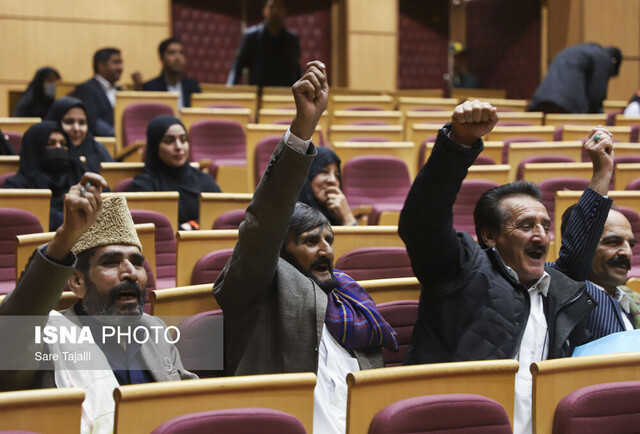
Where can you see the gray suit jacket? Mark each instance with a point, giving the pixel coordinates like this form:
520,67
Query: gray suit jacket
273,314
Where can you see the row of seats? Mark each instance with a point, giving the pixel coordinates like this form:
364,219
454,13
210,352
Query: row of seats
574,395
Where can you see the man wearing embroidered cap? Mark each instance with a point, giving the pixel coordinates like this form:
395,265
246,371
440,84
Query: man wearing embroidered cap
97,253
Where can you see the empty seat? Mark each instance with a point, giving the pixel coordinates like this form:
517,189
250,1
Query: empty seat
207,268
456,412
235,420
633,184
136,117
200,343
402,316
548,188
264,149
229,220
221,141
465,203
165,246
13,222
600,408
541,159
375,263
380,181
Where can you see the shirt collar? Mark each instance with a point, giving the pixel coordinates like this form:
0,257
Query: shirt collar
542,285
104,82
620,296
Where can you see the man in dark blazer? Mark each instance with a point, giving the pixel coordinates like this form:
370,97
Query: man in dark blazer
279,293
99,93
171,78
268,50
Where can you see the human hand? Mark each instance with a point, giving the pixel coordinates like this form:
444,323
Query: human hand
599,148
338,205
311,95
472,120
136,77
81,206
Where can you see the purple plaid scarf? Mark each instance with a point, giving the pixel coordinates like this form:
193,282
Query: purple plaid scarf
353,318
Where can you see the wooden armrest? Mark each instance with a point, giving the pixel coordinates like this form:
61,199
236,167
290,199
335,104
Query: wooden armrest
132,152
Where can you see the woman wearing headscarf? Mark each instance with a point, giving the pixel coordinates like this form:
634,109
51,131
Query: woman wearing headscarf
167,168
71,114
37,99
47,160
322,189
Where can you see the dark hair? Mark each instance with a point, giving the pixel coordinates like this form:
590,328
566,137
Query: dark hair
616,54
488,212
303,219
84,258
165,44
102,56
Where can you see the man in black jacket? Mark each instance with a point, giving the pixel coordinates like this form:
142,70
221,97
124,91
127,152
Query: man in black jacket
494,299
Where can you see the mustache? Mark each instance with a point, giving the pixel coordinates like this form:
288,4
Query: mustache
619,260
126,286
322,261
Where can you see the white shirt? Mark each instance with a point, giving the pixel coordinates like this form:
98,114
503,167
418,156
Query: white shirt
633,109
109,89
533,348
176,88
330,393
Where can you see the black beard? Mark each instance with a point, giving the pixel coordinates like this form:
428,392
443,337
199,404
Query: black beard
327,285
98,304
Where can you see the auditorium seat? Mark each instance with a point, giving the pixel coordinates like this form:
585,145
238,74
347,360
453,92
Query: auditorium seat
221,141
229,220
402,316
463,207
548,188
380,181
541,159
208,268
455,412
4,177
264,149
375,263
600,408
123,186
137,116
13,222
165,246
236,420
15,140
200,344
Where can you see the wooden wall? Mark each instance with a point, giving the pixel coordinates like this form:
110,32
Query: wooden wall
607,22
64,34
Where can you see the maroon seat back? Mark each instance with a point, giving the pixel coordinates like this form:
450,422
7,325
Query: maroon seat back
634,184
123,185
381,181
229,220
375,263
13,222
634,221
4,177
209,267
541,159
422,153
264,149
136,117
549,186
234,420
465,203
402,316
600,408
165,246
456,412
483,160
15,139
508,142
200,344
218,140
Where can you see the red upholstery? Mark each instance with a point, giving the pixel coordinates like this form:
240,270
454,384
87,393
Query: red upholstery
422,154
541,159
402,316
4,177
200,343
508,142
15,139
223,142
210,266
548,187
229,220
634,221
483,160
136,117
123,185
235,420
380,181
165,246
264,149
465,203
634,184
600,408
375,263
13,222
456,412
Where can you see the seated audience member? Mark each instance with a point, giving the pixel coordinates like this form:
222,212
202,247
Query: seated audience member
171,77
494,299
270,51
633,109
71,114
167,168
462,77
40,94
97,253
99,93
48,160
285,308
322,189
5,147
577,80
